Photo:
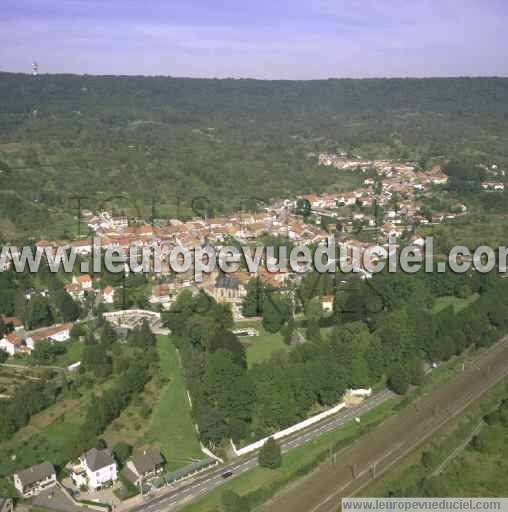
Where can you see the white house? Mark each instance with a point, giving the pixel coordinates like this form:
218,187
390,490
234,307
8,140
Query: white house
34,480
97,468
11,343
327,303
108,295
58,333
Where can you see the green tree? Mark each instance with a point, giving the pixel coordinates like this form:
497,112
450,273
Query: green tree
122,452
270,455
108,334
288,331
275,313
399,380
232,502
253,302
313,314
66,305
3,356
39,313
77,331
21,308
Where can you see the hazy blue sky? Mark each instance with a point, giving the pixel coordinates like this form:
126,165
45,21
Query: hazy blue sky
293,39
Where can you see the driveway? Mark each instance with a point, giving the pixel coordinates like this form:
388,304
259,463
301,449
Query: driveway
55,499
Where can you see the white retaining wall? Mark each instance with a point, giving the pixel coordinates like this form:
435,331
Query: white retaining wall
300,426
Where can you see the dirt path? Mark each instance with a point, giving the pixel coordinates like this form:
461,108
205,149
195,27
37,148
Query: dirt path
386,445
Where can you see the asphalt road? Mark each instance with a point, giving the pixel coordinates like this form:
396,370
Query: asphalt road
172,496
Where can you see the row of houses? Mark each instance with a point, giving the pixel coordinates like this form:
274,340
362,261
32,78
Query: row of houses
95,470
83,284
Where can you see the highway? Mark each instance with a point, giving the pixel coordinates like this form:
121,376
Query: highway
180,493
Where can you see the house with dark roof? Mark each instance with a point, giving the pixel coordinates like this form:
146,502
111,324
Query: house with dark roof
96,470
32,481
146,464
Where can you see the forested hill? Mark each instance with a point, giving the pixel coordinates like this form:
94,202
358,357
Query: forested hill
164,96
172,139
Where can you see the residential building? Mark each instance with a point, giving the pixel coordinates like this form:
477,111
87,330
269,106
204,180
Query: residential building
14,322
75,290
34,480
96,469
85,281
161,294
146,464
58,333
327,303
108,295
11,343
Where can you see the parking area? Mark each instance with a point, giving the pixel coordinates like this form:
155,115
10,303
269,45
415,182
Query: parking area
105,496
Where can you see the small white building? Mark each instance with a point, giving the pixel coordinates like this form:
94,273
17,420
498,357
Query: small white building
34,480
327,303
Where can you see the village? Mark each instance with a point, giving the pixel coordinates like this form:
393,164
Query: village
390,204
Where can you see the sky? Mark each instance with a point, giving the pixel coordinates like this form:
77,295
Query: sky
268,39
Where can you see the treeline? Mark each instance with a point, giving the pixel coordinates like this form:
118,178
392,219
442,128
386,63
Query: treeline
20,296
193,97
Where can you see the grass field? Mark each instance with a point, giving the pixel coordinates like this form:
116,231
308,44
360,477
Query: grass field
46,438
12,378
481,472
73,355
294,462
260,348
471,473
457,303
171,425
